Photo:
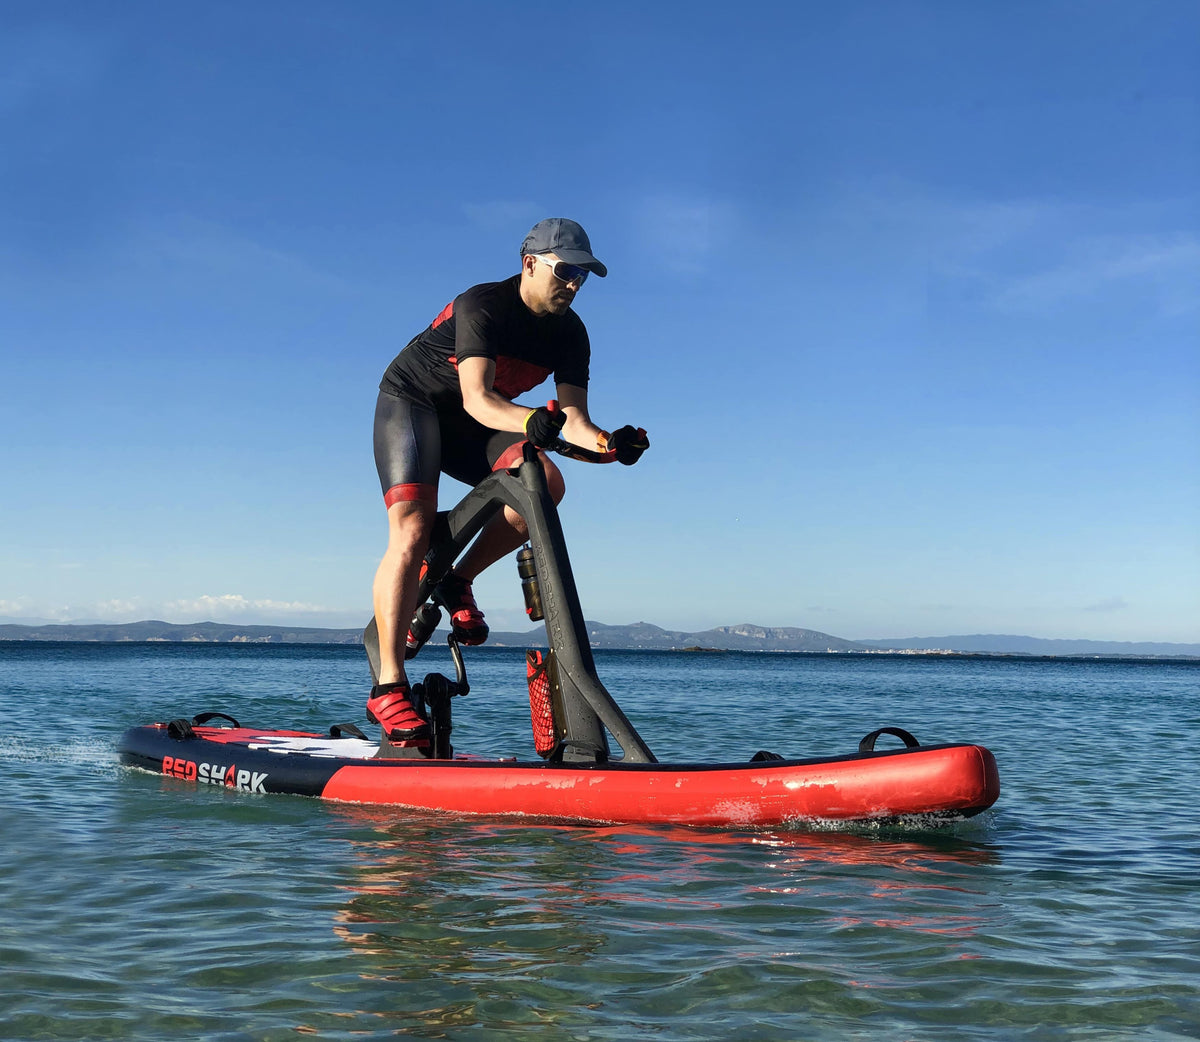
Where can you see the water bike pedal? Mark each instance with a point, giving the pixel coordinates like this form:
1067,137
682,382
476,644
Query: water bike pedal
466,620
400,712
431,699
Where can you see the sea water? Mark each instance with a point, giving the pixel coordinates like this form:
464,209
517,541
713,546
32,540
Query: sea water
138,907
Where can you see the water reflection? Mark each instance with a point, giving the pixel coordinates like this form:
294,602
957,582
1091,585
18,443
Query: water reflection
567,926
448,894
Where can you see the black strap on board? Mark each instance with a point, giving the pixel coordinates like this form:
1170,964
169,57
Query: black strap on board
867,745
203,718
181,730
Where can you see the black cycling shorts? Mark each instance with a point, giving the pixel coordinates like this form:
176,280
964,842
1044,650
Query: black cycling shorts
414,444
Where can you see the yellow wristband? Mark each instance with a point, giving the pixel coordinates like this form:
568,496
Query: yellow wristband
602,441
525,425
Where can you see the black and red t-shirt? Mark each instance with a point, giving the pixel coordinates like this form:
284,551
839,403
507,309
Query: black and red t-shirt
490,321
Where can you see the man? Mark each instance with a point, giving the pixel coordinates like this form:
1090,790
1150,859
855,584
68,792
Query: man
446,406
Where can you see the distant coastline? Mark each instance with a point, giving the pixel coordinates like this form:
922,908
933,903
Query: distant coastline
197,633
632,637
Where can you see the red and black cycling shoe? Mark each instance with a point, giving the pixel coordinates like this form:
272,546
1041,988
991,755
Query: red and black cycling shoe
390,706
466,620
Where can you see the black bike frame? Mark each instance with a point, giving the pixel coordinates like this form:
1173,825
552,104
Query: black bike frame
588,709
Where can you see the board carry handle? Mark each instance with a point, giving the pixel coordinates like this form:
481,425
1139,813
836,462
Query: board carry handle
181,729
867,745
200,719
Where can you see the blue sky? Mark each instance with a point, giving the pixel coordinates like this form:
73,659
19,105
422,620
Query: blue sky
906,294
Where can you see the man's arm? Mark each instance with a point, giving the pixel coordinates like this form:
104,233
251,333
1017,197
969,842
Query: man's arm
629,442
475,377
579,429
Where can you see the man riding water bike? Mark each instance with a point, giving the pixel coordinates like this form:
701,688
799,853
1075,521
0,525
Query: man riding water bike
446,406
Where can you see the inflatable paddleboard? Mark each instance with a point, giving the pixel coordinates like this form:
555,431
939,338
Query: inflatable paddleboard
940,781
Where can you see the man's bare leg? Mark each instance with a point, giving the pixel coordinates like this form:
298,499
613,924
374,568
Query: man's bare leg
396,581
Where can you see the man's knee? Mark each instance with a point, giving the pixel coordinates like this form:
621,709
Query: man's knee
409,523
554,480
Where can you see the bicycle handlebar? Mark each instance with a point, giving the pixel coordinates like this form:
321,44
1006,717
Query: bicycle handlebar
577,452
565,448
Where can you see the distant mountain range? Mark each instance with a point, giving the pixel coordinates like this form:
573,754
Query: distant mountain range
747,637
1002,644
196,632
638,635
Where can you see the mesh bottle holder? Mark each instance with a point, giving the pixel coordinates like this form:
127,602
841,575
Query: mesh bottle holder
544,698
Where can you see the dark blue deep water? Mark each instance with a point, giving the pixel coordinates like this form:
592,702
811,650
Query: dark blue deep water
134,907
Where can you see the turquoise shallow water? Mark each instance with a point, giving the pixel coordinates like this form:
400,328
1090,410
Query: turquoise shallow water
140,908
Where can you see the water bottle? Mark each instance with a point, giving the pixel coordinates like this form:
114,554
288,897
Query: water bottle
529,583
421,628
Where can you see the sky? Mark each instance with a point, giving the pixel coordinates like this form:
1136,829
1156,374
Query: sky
906,294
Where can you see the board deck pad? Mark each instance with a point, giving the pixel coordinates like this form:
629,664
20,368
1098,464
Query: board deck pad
284,742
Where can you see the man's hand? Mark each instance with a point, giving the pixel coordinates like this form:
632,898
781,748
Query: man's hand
629,443
543,427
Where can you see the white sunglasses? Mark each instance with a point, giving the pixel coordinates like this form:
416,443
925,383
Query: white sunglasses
563,271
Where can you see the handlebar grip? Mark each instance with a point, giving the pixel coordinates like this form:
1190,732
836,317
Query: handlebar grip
565,448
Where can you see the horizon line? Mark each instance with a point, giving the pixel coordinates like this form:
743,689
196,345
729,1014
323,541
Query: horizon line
5,621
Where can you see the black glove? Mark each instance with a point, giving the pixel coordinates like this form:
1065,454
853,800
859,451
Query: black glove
543,427
629,442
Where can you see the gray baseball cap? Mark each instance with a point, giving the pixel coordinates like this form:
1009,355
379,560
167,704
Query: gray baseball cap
564,238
